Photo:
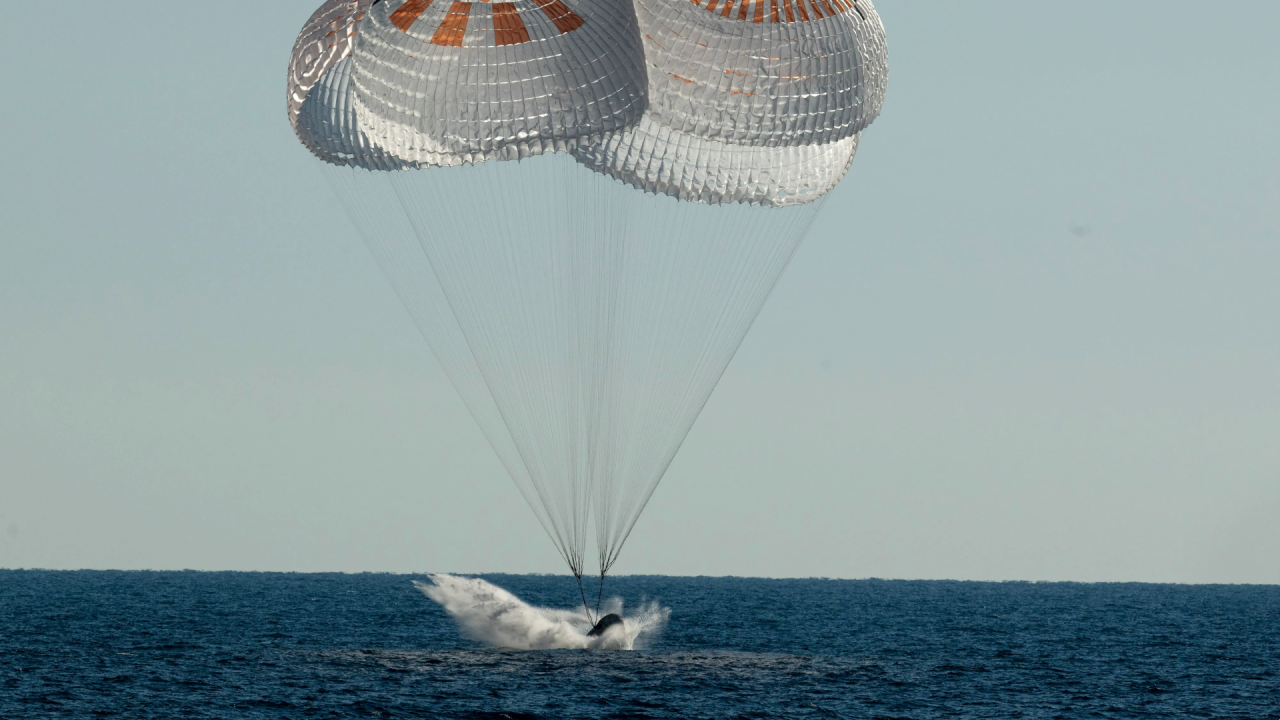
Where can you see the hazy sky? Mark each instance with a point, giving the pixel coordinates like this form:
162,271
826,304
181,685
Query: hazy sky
1035,334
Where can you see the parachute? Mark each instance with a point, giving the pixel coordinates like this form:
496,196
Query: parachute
670,155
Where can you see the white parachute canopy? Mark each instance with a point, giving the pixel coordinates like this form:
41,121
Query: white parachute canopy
585,300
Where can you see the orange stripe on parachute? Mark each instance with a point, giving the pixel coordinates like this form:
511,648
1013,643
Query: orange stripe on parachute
780,11
560,14
407,13
454,26
508,28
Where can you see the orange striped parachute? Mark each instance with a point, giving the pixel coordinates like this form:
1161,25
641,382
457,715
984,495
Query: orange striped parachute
585,300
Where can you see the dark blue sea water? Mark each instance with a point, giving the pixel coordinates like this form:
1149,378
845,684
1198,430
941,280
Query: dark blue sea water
245,645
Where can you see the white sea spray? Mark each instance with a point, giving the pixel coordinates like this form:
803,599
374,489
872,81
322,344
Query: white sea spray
492,615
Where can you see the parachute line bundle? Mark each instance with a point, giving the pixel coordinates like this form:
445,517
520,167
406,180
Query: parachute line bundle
586,299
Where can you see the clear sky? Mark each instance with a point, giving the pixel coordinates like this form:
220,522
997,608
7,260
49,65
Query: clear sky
1035,334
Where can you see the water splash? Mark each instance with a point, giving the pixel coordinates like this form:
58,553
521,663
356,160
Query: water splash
489,614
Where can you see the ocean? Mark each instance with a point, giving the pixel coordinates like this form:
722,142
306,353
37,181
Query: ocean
91,644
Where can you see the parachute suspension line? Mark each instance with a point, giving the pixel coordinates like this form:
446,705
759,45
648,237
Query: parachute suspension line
584,323
585,607
377,211
716,266
600,594
494,235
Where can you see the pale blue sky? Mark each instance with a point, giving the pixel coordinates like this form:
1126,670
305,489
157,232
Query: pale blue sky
1033,336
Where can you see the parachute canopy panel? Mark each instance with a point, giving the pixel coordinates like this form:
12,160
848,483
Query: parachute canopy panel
447,82
326,39
664,161
320,91
764,72
750,101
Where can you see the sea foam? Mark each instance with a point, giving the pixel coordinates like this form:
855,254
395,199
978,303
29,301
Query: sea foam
492,615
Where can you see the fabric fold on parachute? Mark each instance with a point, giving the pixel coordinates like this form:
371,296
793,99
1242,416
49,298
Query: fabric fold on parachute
446,83
328,120
657,159
326,39
320,91
764,72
